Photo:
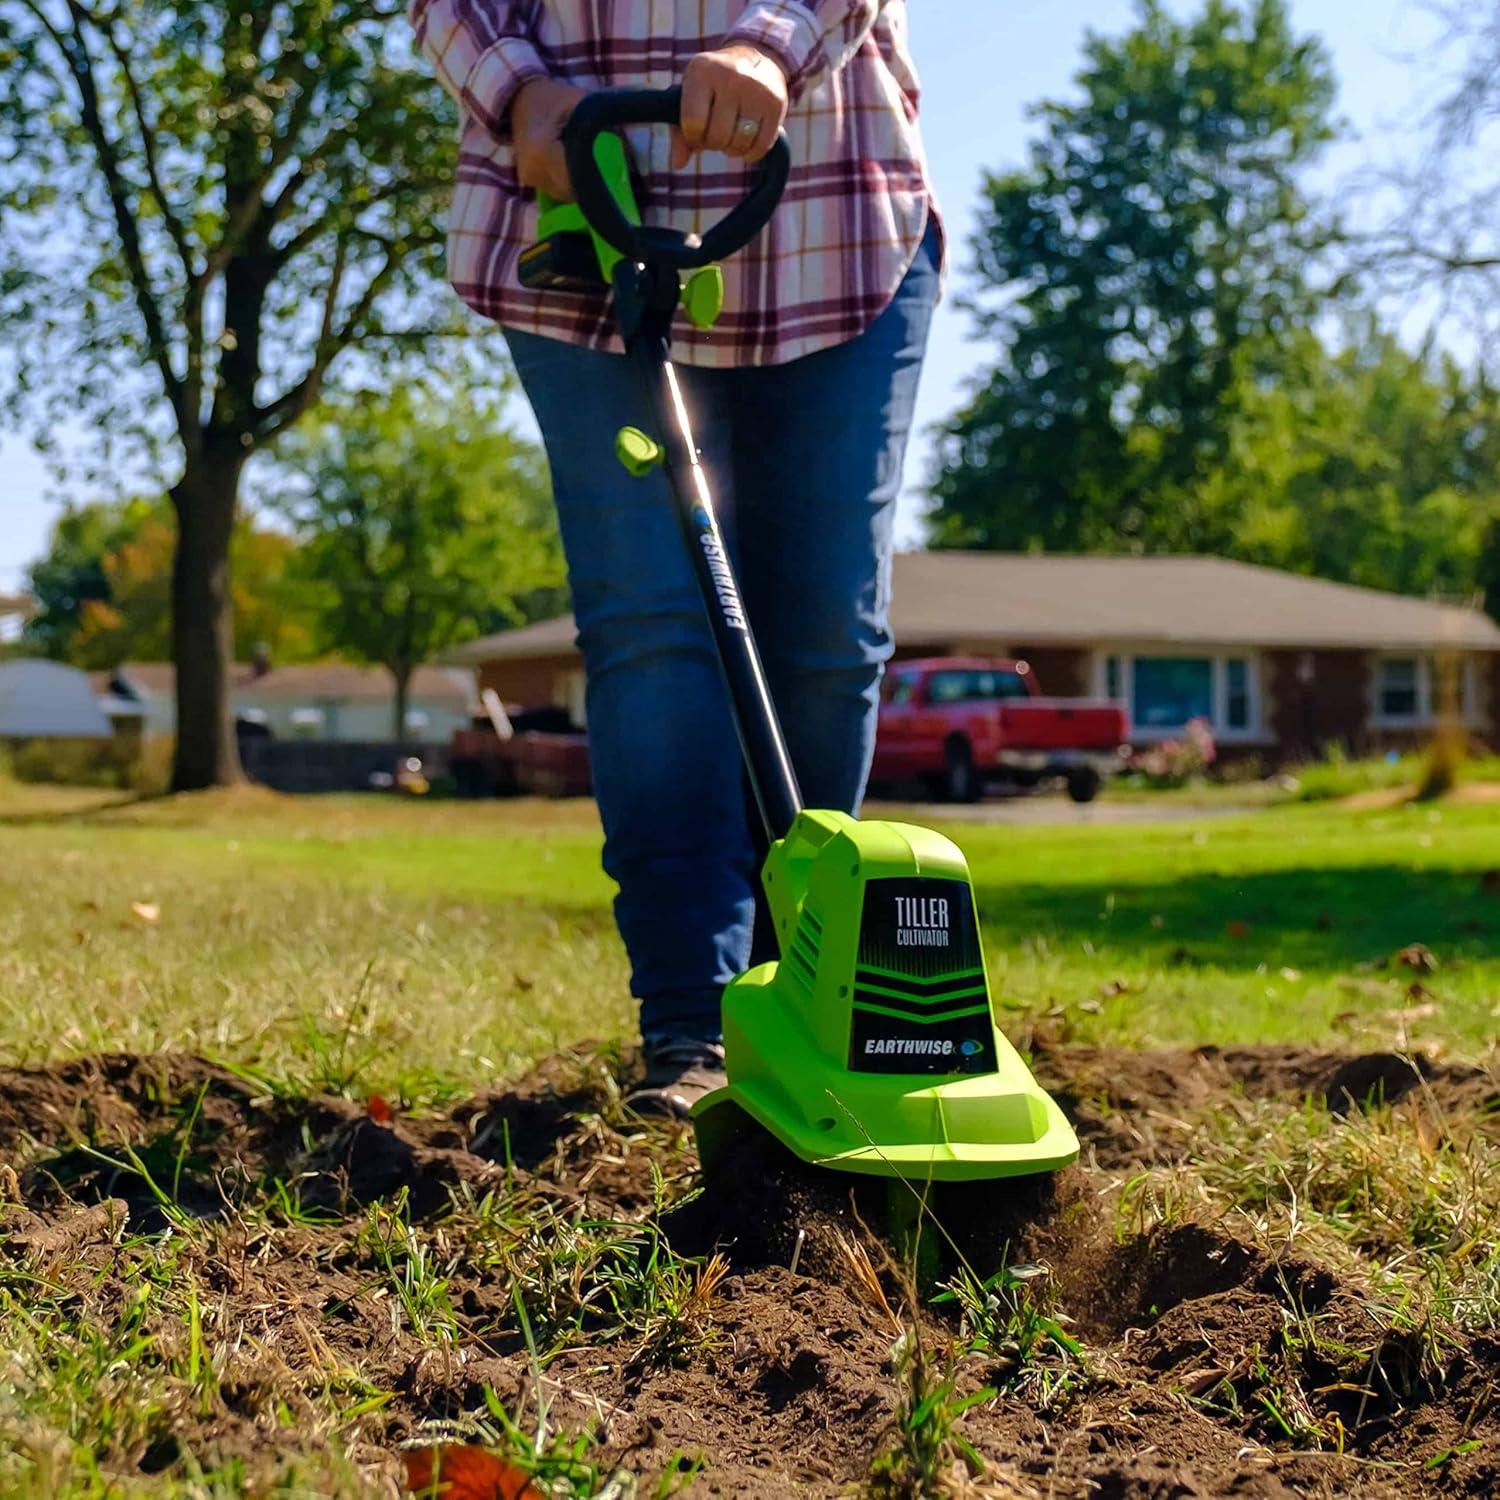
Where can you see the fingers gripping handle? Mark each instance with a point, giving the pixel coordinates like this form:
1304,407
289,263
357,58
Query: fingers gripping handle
608,109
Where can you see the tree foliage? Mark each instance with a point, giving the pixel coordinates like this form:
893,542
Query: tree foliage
1170,377
104,588
1372,465
425,520
1139,273
203,205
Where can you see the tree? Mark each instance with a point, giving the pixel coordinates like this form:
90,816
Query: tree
204,205
70,576
104,588
1445,237
1147,264
426,521
1371,464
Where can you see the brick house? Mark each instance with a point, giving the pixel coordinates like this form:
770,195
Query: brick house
1281,665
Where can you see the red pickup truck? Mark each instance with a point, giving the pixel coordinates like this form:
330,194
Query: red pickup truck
954,723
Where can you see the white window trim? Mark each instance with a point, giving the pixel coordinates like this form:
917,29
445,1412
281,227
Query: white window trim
1426,716
1254,733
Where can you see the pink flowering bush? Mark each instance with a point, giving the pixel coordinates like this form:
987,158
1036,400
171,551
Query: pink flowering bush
1177,762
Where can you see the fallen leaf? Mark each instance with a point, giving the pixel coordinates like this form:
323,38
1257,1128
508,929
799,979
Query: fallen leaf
455,1472
1419,957
1237,929
1290,975
147,911
379,1111
522,983
1114,989
1158,921
1197,1382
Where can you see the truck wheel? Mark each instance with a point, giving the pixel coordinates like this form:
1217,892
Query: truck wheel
1084,783
960,778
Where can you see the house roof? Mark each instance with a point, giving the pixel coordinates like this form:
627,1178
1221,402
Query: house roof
17,604
1002,599
310,682
45,699
545,638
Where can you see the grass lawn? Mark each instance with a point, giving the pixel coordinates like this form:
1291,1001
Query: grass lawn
419,947
226,1269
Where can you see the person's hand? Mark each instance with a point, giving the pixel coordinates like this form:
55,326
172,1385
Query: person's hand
537,116
734,100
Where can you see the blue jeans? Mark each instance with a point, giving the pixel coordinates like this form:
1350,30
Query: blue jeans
805,460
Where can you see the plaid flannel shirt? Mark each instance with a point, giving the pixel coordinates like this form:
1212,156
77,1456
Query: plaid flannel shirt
857,202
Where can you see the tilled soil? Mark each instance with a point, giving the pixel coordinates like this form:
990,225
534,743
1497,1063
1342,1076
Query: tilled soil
1195,1378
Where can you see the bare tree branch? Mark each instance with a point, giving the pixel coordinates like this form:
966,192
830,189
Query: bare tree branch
173,224
300,398
79,62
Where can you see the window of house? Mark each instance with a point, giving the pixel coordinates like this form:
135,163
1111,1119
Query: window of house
1164,693
1420,689
1399,688
307,723
1169,691
1236,693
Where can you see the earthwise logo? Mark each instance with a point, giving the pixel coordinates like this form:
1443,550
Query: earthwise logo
922,922
719,571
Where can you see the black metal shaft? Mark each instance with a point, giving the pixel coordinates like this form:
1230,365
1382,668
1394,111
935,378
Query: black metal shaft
762,742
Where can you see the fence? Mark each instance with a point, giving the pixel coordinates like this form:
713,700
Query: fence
332,765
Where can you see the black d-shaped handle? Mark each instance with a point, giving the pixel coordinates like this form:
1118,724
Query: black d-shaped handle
606,109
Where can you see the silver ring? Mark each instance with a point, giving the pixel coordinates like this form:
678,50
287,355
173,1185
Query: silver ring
746,129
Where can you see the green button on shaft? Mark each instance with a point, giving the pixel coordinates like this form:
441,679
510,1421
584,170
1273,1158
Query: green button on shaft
638,453
703,297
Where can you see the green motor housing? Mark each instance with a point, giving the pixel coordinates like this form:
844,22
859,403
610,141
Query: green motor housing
871,1046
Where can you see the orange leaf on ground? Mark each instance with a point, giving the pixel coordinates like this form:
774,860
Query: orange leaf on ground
1237,929
380,1111
455,1472
147,911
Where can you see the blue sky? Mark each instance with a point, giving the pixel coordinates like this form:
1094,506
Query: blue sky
982,62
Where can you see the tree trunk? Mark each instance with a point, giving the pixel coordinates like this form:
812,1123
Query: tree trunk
207,752
403,694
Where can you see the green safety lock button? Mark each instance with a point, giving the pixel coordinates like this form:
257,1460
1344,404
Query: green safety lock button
703,297
638,453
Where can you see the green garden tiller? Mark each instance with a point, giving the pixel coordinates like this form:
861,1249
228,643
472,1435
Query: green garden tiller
871,1045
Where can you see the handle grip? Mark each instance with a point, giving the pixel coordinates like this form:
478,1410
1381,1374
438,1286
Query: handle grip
608,109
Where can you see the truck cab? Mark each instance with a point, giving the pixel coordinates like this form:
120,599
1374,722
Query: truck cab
957,723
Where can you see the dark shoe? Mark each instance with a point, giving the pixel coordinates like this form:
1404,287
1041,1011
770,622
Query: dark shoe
679,1072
